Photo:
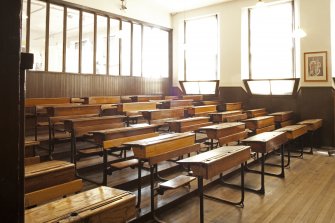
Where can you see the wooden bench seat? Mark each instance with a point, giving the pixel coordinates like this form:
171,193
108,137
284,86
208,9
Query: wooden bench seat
46,174
176,182
52,193
124,164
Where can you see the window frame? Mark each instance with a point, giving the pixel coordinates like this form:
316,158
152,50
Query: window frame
96,13
294,90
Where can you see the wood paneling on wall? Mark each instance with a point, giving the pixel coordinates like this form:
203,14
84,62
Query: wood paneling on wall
46,84
318,102
310,102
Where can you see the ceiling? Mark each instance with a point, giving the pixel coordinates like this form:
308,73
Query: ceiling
175,6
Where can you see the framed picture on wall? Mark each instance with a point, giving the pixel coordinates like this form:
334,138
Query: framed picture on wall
315,64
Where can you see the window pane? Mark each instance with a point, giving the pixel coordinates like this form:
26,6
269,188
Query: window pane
201,48
137,50
155,52
271,44
114,46
191,87
37,33
125,48
259,87
87,43
282,87
101,56
72,41
24,27
56,38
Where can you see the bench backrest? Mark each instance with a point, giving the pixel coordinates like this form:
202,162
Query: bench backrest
136,106
31,102
73,110
102,100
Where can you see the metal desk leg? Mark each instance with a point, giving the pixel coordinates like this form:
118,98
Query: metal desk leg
201,197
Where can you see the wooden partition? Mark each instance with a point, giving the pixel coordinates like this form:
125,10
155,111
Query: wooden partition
47,85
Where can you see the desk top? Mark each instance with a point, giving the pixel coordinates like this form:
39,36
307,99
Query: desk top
159,139
259,118
124,129
266,141
80,206
291,128
211,156
313,124
188,119
223,126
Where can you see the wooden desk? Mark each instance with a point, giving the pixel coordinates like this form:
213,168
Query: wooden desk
203,110
222,116
233,106
260,124
102,100
47,174
193,97
102,204
252,113
145,98
209,164
30,152
112,139
73,110
283,118
160,116
161,148
313,125
224,130
133,109
80,127
293,132
264,143
181,103
188,124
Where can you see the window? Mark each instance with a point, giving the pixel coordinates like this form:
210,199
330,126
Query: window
77,39
101,52
200,87
37,33
125,48
272,87
87,43
72,41
137,50
155,52
271,46
201,48
114,47
56,38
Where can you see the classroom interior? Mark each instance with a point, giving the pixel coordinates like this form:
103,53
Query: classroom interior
260,71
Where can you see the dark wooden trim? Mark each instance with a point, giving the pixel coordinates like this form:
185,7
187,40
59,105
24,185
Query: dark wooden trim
120,51
131,48
142,33
185,79
170,62
28,26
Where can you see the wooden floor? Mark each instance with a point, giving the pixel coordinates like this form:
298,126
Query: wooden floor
307,194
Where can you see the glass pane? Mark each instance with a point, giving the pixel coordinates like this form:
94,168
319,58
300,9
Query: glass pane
207,87
24,27
155,52
56,38
191,87
282,87
125,48
72,41
37,33
259,87
87,43
137,50
201,48
271,44
114,46
101,56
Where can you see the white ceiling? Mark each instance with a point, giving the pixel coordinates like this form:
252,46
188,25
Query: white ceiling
174,6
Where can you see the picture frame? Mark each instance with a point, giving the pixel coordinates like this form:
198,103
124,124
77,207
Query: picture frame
315,66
